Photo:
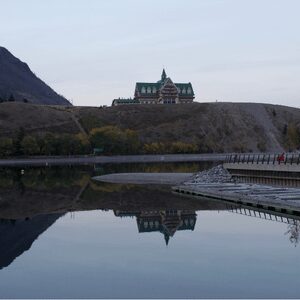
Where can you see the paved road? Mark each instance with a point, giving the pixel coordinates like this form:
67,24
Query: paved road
81,160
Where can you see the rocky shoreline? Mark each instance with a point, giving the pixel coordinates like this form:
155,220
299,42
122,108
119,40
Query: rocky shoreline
214,175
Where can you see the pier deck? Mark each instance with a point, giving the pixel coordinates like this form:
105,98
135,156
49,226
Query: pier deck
260,196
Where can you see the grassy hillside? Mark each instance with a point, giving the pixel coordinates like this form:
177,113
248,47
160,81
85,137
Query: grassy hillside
213,127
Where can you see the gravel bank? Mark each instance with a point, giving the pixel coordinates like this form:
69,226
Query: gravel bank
214,175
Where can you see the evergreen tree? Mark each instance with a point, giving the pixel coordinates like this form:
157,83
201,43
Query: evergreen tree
11,98
18,141
30,146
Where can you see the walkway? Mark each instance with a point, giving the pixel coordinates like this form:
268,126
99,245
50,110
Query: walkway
261,196
119,159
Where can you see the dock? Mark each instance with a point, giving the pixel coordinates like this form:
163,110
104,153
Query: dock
279,199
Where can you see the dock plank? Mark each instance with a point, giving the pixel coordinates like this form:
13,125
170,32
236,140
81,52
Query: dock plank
254,194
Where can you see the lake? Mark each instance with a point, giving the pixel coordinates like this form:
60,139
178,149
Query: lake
63,235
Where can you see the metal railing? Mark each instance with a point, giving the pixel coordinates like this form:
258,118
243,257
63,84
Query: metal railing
288,158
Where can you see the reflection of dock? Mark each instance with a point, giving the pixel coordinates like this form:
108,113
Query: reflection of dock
165,221
264,214
293,221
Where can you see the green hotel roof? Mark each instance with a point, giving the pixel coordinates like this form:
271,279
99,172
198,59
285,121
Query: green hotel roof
129,100
159,83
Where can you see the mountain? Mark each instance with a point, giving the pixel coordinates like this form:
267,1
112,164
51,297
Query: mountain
18,80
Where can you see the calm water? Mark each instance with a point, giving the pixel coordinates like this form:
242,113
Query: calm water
63,235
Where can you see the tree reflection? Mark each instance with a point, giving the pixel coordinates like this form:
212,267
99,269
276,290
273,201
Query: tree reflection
293,232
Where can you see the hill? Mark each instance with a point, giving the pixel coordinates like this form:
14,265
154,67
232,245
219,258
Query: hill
212,127
17,80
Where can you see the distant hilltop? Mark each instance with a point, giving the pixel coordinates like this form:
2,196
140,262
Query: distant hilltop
19,83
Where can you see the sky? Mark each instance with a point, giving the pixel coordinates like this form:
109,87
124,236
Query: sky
94,51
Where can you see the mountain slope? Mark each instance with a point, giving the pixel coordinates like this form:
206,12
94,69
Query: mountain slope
18,80
214,127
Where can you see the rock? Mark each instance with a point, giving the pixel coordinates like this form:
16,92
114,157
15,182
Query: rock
214,175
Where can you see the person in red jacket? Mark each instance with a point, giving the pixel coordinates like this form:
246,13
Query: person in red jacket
280,158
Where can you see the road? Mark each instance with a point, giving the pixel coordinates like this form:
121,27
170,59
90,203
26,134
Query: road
81,160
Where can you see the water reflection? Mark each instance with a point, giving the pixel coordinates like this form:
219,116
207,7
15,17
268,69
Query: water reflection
33,202
166,222
293,221
17,236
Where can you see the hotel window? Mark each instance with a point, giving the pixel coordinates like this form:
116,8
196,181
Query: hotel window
143,90
183,91
154,90
189,90
149,90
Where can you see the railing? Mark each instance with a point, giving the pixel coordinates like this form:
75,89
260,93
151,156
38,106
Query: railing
289,158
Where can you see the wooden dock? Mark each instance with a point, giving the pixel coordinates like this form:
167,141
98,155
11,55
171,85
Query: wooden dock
260,196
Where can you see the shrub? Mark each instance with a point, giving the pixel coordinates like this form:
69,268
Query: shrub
293,137
30,146
6,147
113,140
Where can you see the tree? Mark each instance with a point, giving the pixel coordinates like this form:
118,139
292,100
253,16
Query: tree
108,138
83,145
51,144
6,147
180,147
294,231
131,143
30,146
18,140
113,140
293,137
284,130
11,98
154,148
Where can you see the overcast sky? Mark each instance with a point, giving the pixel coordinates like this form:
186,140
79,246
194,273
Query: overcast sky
94,51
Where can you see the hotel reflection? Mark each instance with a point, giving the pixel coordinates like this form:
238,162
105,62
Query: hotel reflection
166,222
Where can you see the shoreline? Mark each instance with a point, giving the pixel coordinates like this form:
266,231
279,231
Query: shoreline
145,178
117,159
